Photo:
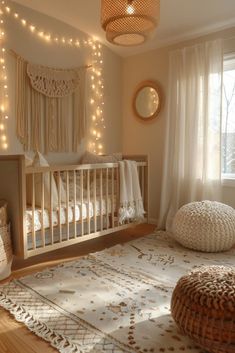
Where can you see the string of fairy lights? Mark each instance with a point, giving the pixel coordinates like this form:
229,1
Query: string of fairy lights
95,76
3,87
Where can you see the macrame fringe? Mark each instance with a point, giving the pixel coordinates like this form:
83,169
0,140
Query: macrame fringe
44,105
22,97
35,121
58,341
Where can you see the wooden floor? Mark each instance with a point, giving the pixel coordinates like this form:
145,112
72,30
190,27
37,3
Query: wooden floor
15,337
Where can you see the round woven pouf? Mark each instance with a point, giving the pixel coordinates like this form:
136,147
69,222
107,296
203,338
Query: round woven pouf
203,306
205,226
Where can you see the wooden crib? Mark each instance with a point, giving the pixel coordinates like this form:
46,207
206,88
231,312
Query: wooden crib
89,208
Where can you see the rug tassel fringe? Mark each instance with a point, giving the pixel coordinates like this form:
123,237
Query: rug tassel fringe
57,341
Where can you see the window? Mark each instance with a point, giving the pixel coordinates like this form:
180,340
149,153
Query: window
228,118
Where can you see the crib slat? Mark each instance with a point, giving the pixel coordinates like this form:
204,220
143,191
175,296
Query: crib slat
81,192
95,208
112,198
146,194
118,195
74,203
142,182
88,202
33,211
107,198
139,175
59,205
42,212
101,199
51,209
67,205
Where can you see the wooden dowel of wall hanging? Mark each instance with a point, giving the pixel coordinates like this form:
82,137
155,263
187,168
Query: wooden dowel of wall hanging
16,55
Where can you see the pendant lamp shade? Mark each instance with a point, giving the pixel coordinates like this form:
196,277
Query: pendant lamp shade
129,22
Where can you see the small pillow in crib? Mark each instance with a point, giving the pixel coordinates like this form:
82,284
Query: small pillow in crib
28,161
71,186
40,161
92,158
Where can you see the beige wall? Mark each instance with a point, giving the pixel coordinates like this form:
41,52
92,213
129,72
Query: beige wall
148,138
123,130
35,50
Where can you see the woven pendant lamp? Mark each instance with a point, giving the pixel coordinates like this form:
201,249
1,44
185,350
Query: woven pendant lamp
129,22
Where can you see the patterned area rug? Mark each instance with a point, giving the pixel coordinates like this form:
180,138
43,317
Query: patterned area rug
113,301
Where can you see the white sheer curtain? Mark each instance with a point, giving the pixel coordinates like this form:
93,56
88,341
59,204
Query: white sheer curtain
192,163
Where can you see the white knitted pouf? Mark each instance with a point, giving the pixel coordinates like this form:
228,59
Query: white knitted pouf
205,226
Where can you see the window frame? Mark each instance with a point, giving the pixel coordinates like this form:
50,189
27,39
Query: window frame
228,179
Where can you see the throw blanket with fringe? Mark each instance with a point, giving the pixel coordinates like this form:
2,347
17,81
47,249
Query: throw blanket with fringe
131,203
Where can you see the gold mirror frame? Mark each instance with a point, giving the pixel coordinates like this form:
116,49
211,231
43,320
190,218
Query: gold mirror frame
156,87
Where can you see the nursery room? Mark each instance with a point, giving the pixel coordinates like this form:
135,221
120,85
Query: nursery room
117,176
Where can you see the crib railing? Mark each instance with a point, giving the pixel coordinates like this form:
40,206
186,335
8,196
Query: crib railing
86,204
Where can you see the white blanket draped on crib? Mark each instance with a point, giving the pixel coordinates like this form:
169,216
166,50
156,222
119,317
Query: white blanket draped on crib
131,203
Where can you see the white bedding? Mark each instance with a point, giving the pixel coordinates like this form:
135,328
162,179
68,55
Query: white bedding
82,210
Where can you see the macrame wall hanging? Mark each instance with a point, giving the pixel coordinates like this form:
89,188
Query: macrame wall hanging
45,99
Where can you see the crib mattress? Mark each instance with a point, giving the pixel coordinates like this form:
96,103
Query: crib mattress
82,210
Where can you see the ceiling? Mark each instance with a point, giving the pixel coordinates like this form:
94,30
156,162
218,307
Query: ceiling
179,19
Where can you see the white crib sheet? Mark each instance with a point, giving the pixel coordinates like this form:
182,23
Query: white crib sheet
80,209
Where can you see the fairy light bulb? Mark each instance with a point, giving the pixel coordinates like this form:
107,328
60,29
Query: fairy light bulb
3,84
130,9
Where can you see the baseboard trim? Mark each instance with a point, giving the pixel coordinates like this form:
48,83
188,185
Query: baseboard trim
153,221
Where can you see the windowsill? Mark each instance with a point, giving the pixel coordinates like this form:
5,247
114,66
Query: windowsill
228,180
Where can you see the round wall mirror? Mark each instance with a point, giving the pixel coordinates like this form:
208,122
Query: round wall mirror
147,100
